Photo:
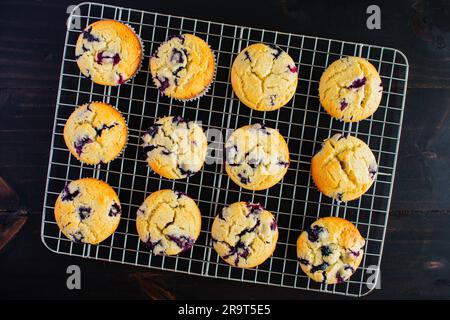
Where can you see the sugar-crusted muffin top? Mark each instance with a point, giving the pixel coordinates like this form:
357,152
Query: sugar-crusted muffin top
344,168
176,148
183,67
330,250
108,52
87,210
350,89
244,234
95,133
168,222
264,77
257,157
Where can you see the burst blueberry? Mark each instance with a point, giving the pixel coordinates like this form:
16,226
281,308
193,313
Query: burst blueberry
254,208
79,144
84,212
153,130
339,278
283,163
186,173
99,131
152,244
326,251
372,172
276,51
87,35
253,163
183,242
176,56
320,267
273,225
120,79
343,104
243,179
292,69
272,99
250,230
163,83
303,261
177,36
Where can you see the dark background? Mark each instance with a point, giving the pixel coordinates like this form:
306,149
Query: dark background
416,254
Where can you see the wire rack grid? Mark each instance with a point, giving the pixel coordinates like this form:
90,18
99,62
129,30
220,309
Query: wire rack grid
304,124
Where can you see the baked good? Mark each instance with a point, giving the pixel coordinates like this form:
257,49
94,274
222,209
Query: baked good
264,77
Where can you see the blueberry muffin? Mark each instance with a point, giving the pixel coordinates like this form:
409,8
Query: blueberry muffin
330,250
244,234
108,52
88,211
264,77
95,133
175,148
168,222
257,157
350,89
344,168
183,67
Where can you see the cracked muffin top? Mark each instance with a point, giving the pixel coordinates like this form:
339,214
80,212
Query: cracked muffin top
244,234
87,210
168,222
183,67
257,157
176,148
108,52
345,168
95,133
350,89
264,77
330,250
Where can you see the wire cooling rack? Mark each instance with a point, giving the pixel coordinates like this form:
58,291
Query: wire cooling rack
303,122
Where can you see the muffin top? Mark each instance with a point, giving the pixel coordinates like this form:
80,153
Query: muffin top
169,222
95,133
257,157
344,168
330,250
244,234
264,77
87,210
183,67
108,52
350,89
176,148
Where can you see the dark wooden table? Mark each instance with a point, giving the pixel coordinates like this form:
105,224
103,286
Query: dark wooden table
416,260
